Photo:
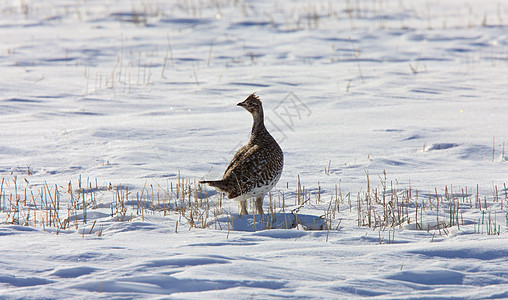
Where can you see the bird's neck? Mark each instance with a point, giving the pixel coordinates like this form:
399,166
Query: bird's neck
258,124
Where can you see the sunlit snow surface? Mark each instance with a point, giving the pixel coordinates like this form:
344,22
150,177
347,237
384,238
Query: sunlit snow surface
136,95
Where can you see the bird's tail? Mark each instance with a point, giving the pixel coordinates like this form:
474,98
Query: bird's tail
218,184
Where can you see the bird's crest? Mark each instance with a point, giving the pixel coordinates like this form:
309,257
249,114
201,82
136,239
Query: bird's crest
254,96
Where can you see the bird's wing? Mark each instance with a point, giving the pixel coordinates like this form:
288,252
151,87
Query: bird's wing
241,172
239,156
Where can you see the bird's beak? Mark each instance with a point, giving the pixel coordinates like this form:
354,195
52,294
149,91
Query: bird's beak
240,104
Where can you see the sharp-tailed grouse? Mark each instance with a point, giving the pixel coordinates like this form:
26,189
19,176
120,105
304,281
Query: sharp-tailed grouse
256,167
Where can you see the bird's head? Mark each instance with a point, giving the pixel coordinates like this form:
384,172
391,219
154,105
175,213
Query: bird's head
252,104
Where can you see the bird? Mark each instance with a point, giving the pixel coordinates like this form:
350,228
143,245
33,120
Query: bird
256,168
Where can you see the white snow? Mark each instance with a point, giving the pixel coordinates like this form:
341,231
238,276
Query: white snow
391,115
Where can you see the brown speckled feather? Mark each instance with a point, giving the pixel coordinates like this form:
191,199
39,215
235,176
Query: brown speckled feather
257,166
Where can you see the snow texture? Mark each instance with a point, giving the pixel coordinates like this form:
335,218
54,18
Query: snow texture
132,97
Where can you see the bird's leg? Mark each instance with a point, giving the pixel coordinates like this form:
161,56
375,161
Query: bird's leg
259,205
243,207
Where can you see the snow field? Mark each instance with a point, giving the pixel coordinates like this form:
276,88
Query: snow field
391,115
